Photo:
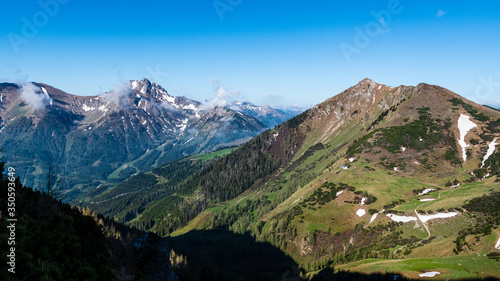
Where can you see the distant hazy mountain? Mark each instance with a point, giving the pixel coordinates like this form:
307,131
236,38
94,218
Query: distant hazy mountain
132,128
266,114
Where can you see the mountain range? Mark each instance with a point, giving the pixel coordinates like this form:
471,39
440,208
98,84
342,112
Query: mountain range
137,126
375,179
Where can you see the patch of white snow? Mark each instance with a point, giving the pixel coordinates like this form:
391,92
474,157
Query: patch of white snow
183,126
497,246
464,125
103,107
191,106
47,94
425,218
170,99
429,274
375,216
426,191
397,218
361,212
491,150
86,108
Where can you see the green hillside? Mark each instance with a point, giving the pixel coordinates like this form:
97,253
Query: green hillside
372,180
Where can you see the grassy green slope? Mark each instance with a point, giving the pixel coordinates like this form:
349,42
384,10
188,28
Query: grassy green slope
316,232
301,186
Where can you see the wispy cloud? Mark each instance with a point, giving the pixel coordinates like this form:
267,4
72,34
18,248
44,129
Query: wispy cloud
223,98
168,106
493,103
119,95
440,13
34,96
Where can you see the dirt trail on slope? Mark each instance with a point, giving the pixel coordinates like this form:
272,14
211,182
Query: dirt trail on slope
418,217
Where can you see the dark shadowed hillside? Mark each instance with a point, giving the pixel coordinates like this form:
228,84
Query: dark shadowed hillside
54,241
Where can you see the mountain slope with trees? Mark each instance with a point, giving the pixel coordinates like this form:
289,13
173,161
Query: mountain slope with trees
376,172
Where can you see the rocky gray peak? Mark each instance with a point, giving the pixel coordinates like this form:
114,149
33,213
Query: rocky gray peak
147,87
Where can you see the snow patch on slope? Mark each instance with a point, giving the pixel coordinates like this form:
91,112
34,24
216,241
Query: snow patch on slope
47,94
464,125
491,150
363,201
397,218
86,108
361,212
425,218
426,191
183,126
429,274
375,216
497,246
103,107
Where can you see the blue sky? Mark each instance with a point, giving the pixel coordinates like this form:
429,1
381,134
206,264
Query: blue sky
276,52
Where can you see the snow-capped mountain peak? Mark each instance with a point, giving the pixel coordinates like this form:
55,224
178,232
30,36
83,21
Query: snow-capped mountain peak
147,88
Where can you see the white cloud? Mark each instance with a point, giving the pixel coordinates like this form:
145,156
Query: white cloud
34,96
226,119
119,95
168,106
223,98
440,13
